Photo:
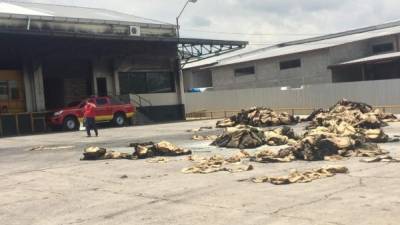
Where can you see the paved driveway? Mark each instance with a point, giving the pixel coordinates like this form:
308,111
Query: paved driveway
55,187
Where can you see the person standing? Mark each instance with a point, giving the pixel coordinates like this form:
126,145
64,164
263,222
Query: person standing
89,114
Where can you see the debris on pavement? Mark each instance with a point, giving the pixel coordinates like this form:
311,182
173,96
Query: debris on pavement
346,129
199,129
141,151
241,136
238,157
218,163
281,136
117,155
45,148
124,176
259,117
157,160
94,153
163,148
272,156
383,158
197,137
359,115
166,148
302,177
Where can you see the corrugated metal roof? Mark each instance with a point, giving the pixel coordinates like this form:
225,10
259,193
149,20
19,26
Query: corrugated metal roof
71,12
281,49
374,58
306,45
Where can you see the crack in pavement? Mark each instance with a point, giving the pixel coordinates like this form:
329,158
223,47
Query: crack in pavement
41,170
325,197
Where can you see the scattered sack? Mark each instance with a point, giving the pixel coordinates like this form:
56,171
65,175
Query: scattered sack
225,123
280,136
141,151
302,177
218,163
117,155
271,156
358,115
163,148
44,148
383,158
238,157
346,129
157,160
204,138
199,129
241,137
94,153
258,117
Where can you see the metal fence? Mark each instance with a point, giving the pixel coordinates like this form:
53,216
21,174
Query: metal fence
12,124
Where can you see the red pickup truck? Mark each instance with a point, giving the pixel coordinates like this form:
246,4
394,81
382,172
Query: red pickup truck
108,110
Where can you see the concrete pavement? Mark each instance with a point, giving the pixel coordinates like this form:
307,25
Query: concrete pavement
55,187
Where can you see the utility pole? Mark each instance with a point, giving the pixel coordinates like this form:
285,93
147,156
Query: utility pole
180,69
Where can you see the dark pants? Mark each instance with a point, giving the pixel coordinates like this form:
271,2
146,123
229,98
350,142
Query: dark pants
91,125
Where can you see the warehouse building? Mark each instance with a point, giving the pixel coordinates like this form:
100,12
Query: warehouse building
52,55
370,53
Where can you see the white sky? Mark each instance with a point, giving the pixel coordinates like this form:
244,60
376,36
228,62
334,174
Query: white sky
262,22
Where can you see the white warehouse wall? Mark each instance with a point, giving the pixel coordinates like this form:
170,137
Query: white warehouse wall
382,92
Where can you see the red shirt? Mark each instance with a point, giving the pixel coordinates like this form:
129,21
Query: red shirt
89,110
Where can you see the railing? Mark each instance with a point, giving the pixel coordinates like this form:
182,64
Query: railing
141,102
204,114
12,124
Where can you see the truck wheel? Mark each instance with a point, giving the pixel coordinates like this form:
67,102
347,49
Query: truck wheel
71,123
119,119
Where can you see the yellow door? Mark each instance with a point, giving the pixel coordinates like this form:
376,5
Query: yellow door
12,95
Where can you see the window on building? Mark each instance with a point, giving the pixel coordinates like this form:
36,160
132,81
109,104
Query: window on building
382,48
101,101
284,65
3,90
14,92
9,90
146,82
159,82
245,71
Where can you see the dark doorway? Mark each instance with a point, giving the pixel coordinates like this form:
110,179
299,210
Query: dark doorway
53,92
66,80
102,87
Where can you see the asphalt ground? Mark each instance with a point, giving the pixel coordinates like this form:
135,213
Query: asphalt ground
54,187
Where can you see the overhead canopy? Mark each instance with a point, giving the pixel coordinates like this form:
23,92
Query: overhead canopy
371,59
80,22
193,50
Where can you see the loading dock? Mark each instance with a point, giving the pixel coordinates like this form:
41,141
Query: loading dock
65,54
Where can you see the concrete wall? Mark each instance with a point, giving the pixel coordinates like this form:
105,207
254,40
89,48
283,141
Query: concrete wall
314,69
382,92
350,51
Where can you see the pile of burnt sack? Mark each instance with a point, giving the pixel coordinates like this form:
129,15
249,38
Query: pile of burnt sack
346,129
140,151
258,117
